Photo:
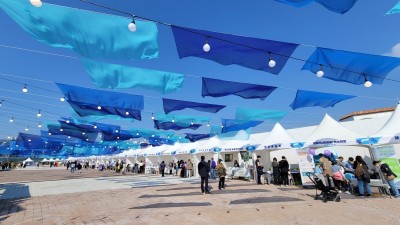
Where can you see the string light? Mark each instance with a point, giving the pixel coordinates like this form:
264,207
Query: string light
271,62
69,136
67,121
132,25
152,116
36,3
62,99
49,134
40,125
95,127
116,131
367,83
61,130
137,133
127,113
11,119
173,120
99,107
39,114
206,46
192,122
27,128
320,72
1,102
208,124
25,89
83,133
9,137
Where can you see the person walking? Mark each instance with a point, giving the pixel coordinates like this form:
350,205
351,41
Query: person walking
284,171
362,175
204,169
189,168
162,168
72,165
259,168
275,170
221,171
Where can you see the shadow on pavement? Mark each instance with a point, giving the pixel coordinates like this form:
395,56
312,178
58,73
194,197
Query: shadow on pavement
11,196
265,200
171,205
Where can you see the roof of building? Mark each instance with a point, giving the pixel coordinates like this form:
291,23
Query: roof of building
366,112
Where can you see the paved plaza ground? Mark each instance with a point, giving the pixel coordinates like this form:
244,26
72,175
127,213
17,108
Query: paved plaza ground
55,196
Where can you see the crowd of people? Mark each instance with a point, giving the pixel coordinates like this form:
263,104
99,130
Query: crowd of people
342,172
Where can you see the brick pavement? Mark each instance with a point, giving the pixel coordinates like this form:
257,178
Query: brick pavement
178,201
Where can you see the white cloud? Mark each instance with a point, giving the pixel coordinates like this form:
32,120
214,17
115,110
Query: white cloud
395,51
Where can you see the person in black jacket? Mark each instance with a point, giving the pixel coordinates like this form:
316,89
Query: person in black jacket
389,176
362,174
284,171
204,170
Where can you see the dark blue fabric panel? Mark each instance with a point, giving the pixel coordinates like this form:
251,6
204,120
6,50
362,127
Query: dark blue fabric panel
313,98
196,137
171,105
228,49
219,88
230,125
174,126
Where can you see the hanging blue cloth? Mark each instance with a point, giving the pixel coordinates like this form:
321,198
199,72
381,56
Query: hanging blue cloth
219,88
395,9
259,114
122,135
337,6
146,133
227,49
102,98
87,128
171,105
85,109
91,34
30,141
174,126
196,137
115,76
155,141
230,125
341,65
56,130
313,98
180,118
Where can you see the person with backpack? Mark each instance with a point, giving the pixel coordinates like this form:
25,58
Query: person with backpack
362,175
204,169
213,167
284,171
221,171
389,177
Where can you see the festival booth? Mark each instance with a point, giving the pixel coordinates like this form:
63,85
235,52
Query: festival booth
386,144
153,158
208,148
170,152
329,138
230,151
28,162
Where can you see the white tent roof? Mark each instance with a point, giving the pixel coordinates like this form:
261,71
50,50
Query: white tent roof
51,160
278,138
45,160
207,145
185,148
57,159
331,130
155,150
233,145
392,126
28,160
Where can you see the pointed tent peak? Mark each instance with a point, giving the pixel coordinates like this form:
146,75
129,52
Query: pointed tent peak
329,128
277,138
392,126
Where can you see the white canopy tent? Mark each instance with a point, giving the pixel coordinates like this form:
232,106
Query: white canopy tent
45,160
28,160
390,132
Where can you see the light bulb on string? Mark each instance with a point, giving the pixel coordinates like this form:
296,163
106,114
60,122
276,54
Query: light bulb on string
152,116
62,99
1,102
95,127
192,123
61,130
367,83
116,131
132,25
208,124
39,114
206,46
83,133
36,3
173,120
49,134
27,129
137,133
271,62
127,113
152,135
67,121
69,136
320,72
40,125
11,119
25,89
99,107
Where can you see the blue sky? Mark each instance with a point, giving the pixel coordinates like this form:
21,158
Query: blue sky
365,28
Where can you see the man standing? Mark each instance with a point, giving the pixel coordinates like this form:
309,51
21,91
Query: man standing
213,167
259,169
204,169
162,168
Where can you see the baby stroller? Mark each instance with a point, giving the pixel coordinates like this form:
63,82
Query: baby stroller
326,186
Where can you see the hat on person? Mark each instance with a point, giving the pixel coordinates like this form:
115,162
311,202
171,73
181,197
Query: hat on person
220,160
375,162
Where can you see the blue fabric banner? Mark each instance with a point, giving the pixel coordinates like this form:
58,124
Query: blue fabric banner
85,109
84,32
341,65
227,49
337,6
395,9
313,98
122,135
102,98
174,125
115,76
180,118
219,88
259,114
196,137
171,105
230,125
